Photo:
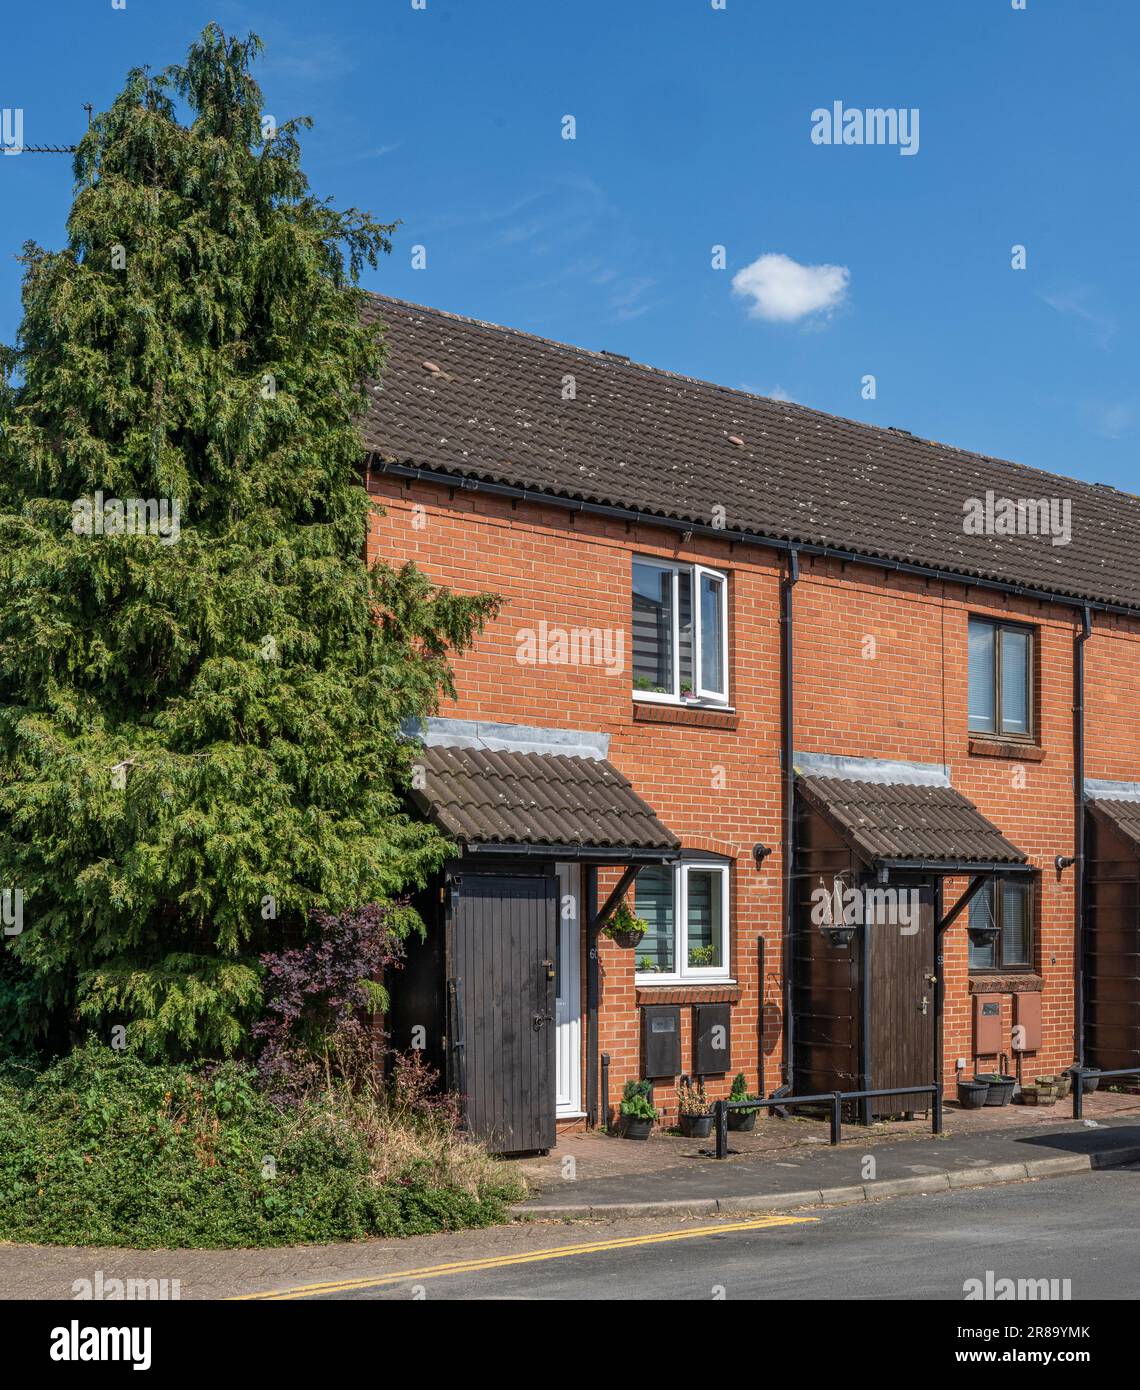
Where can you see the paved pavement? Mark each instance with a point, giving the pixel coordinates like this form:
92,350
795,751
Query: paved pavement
853,1171
599,1155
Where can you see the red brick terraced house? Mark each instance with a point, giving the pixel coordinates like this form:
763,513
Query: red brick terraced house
869,772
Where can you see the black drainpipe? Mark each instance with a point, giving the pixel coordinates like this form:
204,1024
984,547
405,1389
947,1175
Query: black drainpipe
1079,812
787,661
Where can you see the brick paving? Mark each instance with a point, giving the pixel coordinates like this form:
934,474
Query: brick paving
598,1155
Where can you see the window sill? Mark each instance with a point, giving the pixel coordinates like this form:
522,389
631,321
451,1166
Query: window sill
1006,982
689,992
984,746
698,716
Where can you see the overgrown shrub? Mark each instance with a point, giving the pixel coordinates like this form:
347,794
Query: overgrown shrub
103,1148
319,998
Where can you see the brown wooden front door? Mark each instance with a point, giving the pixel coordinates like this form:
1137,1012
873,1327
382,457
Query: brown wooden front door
902,1002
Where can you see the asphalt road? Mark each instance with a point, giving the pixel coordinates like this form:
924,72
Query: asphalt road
1085,1229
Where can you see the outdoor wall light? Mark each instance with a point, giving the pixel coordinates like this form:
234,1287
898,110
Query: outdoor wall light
1064,862
760,853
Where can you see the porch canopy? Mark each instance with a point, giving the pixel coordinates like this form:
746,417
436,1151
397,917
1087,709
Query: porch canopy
1121,814
911,820
509,802
912,826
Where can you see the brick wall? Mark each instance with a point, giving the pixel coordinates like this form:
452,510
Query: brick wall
881,670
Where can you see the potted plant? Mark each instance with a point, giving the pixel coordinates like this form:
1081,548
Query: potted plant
694,1109
638,1112
624,928
1039,1094
1061,1082
972,1095
1090,1081
702,955
1000,1087
742,1120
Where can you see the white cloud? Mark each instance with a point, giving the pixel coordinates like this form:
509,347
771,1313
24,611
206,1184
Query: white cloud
782,290
1113,419
777,393
1077,303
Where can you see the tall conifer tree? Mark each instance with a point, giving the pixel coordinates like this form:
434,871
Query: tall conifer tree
198,731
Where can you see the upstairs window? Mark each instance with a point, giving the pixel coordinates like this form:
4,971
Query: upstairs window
680,633
1001,679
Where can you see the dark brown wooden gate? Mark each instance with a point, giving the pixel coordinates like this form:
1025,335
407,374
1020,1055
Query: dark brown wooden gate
501,995
901,1006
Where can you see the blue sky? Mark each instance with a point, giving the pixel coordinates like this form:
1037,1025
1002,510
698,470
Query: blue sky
693,130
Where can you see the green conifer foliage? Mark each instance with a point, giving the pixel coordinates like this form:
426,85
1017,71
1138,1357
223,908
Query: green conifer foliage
198,731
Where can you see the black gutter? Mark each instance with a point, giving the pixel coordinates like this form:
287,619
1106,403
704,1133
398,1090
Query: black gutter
787,730
954,868
827,552
580,854
1079,814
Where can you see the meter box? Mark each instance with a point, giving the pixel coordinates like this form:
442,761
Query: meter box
987,1025
711,1039
660,1040
1027,1022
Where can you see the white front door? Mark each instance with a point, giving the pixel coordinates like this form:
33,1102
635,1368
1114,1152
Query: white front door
568,1006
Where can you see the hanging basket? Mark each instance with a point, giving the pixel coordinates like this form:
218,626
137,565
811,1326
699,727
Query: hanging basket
624,928
628,940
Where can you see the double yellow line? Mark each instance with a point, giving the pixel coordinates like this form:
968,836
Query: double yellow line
560,1252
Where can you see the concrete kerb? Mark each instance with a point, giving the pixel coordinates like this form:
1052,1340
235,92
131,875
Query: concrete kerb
994,1175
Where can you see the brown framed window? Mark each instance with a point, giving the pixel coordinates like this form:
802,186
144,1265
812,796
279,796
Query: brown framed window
1001,679
1008,906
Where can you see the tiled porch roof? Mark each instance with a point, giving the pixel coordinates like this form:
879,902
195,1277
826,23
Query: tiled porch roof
891,821
481,797
1121,815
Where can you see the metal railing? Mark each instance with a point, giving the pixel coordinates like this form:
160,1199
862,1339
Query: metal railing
834,1100
1079,1073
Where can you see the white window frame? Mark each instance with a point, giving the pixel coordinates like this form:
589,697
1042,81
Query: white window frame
684,971
702,693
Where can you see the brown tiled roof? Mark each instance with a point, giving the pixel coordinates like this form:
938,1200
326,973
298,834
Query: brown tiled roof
469,398
483,797
1123,816
882,820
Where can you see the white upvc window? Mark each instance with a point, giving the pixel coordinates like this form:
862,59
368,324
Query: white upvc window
680,633
687,908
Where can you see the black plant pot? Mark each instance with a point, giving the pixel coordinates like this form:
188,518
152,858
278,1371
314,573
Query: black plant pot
972,1095
1000,1087
627,940
743,1121
634,1128
696,1126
